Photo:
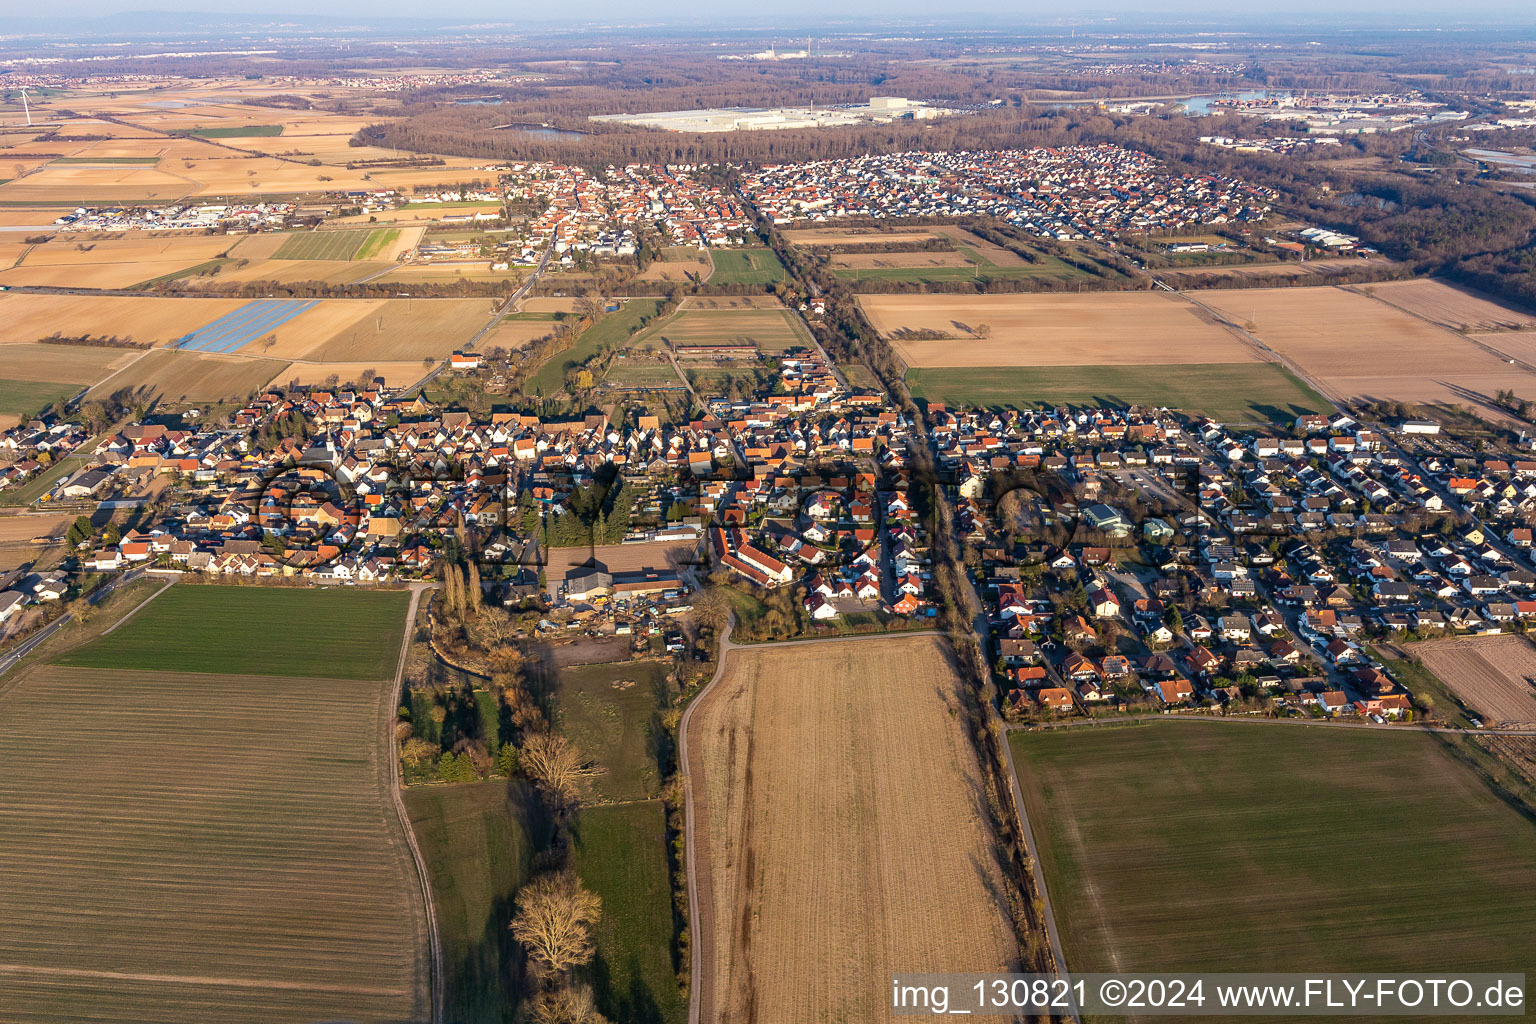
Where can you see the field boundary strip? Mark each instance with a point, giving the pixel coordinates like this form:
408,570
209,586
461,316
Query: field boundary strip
238,328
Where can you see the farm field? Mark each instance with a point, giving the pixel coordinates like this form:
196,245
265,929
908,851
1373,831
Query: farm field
1278,871
157,321
110,263
1492,674
620,853
67,364
395,374
96,184
771,331
1231,392
627,372
514,334
853,236
21,398
609,332
336,245
1449,305
185,847
173,376
397,329
1363,348
1095,328
479,841
289,272
348,634
751,265
238,328
814,885
682,261
612,712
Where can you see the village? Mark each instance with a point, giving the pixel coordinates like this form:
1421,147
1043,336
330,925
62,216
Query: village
1137,562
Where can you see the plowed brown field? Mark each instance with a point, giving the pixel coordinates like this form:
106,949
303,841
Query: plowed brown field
1493,674
841,832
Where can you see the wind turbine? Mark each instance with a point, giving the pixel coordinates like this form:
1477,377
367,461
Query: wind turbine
26,106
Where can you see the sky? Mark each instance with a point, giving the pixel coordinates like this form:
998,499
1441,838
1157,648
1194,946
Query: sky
967,13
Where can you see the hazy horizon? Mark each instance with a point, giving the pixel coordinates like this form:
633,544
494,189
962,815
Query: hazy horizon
804,14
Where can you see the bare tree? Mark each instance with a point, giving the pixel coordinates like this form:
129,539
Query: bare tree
556,766
554,920
569,1004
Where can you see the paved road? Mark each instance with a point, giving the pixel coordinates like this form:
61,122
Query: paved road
27,646
690,846
434,944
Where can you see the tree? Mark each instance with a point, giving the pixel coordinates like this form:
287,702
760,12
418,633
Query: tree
553,921
568,1004
556,766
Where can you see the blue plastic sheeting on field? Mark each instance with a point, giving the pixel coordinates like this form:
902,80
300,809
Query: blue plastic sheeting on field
244,325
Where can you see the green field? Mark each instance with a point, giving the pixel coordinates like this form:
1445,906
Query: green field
620,853
479,841
1235,847
609,332
327,245
378,240
772,331
635,374
1231,392
753,265
245,131
186,848
620,727
325,632
29,397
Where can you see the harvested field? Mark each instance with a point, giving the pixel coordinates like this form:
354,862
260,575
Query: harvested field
692,302
158,321
193,376
262,246
996,255
890,260
853,236
681,263
1493,675
68,364
514,334
110,263
771,331
396,375
545,304
187,848
97,184
1449,305
291,272
399,329
1363,348
1290,845
840,831
21,529
1096,328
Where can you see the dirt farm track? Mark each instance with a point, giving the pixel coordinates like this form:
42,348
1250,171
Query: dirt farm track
840,832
